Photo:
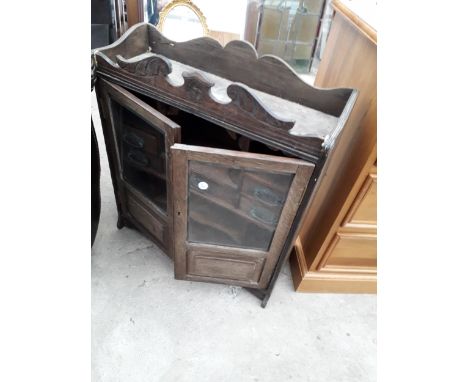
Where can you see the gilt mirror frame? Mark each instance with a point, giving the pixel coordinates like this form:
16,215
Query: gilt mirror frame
176,3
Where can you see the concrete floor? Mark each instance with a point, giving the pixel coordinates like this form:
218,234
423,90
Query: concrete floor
146,326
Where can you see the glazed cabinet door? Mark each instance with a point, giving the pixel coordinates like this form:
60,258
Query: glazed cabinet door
138,140
232,213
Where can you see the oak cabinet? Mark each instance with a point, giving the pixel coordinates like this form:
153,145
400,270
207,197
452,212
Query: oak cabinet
210,158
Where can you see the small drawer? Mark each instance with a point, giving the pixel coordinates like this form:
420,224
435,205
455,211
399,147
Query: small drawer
260,211
224,266
140,160
210,188
142,215
270,193
363,212
356,252
138,139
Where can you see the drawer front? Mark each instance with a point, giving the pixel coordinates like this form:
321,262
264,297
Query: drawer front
142,140
269,188
259,210
243,270
144,217
351,253
363,212
219,183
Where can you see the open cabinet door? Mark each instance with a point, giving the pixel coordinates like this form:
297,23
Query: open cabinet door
233,213
138,140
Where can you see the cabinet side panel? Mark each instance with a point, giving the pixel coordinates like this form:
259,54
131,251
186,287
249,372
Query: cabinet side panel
350,60
112,156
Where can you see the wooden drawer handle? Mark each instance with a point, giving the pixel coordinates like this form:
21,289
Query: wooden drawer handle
263,215
134,140
267,196
137,158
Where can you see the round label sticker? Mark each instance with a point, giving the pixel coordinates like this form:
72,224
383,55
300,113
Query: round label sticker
203,186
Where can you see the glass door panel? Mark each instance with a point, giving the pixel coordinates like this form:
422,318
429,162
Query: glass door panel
233,212
142,154
138,139
234,207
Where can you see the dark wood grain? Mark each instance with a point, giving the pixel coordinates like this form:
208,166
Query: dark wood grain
254,122
135,207
132,43
238,61
146,64
231,106
245,111
182,155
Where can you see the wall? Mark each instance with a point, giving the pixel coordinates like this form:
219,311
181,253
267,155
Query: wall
224,15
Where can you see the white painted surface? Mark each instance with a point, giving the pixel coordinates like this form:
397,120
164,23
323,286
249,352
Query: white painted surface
224,15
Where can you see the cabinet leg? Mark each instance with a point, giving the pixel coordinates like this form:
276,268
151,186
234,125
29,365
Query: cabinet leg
260,294
120,222
265,300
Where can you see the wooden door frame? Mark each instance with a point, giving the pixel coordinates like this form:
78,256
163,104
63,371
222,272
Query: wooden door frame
107,92
182,154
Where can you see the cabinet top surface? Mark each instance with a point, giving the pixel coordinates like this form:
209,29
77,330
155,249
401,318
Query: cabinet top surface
230,83
307,121
363,13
